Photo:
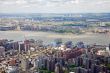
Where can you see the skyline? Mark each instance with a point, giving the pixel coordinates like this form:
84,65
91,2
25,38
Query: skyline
54,6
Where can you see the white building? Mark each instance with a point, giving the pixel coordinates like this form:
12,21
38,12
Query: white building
2,51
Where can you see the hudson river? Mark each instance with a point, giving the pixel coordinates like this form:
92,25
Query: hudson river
48,37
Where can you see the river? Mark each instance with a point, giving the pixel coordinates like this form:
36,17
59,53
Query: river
48,37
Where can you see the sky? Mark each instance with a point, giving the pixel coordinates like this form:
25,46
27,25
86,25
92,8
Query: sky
54,6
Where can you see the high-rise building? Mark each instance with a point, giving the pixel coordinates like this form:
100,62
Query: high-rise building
79,61
52,65
2,51
95,68
109,46
83,70
24,63
88,63
49,65
58,68
77,70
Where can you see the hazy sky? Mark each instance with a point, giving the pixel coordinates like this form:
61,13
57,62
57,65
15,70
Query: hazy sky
54,6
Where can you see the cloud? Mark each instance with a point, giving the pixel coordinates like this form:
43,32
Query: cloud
50,1
54,6
12,2
34,1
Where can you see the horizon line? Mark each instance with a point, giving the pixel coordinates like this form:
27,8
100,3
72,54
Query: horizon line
62,13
